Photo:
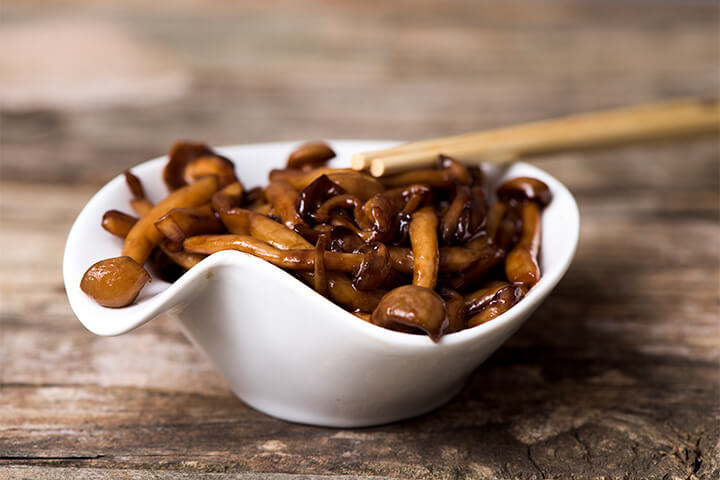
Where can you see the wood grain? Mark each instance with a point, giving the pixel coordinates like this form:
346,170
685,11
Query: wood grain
616,375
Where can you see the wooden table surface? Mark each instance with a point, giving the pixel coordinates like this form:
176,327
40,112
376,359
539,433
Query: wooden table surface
616,375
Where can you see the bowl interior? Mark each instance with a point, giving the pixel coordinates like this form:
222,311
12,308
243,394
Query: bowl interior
88,242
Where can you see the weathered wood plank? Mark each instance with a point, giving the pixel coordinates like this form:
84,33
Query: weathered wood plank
50,473
614,377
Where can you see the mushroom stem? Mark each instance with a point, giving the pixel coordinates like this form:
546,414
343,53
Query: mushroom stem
300,260
142,206
283,198
342,291
180,223
451,171
503,300
450,223
143,237
455,308
424,244
186,260
118,223
521,264
451,259
477,300
320,273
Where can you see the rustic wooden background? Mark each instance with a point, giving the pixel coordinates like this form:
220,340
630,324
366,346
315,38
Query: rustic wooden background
616,376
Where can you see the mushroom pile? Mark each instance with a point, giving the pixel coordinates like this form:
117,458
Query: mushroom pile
421,251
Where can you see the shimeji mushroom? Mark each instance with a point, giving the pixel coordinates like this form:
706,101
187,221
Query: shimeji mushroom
521,264
189,161
310,155
412,307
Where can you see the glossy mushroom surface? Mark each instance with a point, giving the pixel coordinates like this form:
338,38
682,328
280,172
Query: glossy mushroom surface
423,251
114,282
412,307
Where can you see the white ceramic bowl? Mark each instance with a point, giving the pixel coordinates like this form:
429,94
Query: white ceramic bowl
284,349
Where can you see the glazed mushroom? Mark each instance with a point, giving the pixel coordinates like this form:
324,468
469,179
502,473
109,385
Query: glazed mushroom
299,179
478,215
312,197
324,212
450,260
521,265
357,184
180,223
374,268
503,300
489,257
385,212
143,236
216,165
412,307
455,305
114,282
456,220
525,189
495,216
189,161
139,202
343,239
254,198
134,185
356,239
320,272
300,260
283,199
449,172
424,243
118,223
342,291
310,155
479,299
230,196
175,252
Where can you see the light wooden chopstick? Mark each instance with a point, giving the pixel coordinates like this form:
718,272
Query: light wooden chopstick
644,123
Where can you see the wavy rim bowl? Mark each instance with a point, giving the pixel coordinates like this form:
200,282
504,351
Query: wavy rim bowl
88,243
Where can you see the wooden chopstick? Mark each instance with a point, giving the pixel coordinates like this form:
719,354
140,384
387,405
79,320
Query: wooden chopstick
644,123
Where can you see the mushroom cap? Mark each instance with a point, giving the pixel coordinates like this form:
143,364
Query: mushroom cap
375,267
114,282
180,154
412,306
389,211
342,239
134,184
310,154
525,188
456,171
187,161
315,194
210,165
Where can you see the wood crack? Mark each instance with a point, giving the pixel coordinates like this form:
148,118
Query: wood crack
586,450
51,457
532,461
697,463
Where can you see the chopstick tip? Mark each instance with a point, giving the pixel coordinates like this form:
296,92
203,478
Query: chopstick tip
358,161
377,168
